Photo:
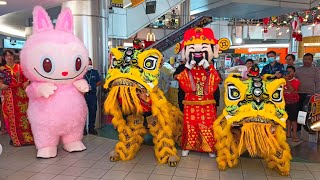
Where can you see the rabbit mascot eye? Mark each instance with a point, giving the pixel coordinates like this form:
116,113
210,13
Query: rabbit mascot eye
55,61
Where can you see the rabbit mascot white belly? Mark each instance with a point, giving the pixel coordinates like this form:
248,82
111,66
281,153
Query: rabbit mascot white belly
55,61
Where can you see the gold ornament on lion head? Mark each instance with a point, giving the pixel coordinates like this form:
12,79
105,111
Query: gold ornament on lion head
132,67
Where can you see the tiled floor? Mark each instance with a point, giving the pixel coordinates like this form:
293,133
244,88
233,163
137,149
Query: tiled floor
20,164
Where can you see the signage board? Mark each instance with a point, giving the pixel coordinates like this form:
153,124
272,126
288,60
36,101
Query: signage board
13,44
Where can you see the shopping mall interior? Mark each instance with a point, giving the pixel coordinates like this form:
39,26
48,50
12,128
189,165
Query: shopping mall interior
107,29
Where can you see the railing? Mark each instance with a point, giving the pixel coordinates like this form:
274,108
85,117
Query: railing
177,36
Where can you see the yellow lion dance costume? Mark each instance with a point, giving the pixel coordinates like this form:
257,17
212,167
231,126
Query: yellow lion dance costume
134,98
254,119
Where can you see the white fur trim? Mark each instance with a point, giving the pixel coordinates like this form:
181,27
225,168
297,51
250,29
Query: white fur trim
151,85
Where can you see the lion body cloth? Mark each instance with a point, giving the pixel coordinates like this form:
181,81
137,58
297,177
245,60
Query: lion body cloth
135,101
253,120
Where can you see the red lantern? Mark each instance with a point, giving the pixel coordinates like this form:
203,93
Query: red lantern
265,24
266,21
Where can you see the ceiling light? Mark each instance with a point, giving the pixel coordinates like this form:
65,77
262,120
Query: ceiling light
238,40
3,3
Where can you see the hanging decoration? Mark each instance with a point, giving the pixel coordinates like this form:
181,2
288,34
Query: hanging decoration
296,27
265,24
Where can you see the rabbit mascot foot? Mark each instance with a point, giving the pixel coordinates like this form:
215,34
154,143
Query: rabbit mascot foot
55,61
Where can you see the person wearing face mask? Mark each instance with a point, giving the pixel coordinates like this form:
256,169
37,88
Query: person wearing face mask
273,67
94,80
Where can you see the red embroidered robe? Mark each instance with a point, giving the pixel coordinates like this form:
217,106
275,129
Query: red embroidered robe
199,85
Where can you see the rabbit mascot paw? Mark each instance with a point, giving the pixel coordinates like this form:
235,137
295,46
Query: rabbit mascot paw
55,61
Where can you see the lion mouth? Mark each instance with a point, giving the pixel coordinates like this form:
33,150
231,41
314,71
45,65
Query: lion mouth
126,82
258,119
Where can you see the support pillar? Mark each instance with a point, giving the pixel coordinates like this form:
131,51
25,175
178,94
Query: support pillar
116,42
90,25
184,12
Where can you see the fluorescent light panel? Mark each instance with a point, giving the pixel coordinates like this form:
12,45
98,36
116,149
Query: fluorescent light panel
261,46
11,31
311,44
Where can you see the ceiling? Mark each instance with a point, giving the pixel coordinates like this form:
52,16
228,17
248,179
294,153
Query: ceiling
249,9
27,5
15,16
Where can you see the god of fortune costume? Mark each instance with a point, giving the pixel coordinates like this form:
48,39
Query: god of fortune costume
199,81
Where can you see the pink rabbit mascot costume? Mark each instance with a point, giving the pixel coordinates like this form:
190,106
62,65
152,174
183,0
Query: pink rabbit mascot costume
55,61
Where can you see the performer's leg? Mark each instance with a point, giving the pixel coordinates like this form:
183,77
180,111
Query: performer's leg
131,136
164,145
280,159
46,142
226,144
72,141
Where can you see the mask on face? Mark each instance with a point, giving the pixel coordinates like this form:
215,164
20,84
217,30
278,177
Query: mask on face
271,59
90,67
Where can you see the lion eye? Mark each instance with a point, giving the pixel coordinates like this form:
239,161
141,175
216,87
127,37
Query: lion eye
277,95
150,63
233,93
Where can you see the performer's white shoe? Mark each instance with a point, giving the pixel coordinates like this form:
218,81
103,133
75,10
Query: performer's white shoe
185,153
212,155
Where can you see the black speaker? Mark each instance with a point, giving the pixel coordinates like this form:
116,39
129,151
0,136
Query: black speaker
151,7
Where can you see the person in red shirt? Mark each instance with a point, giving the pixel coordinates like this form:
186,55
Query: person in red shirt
291,97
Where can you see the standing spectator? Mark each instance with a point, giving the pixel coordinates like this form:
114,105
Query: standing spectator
264,60
273,67
290,58
181,93
249,64
216,94
291,97
15,102
94,80
309,77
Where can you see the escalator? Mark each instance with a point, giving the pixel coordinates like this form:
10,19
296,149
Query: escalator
124,23
177,36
